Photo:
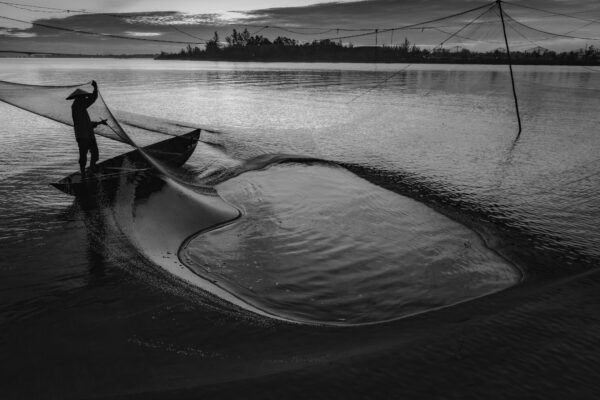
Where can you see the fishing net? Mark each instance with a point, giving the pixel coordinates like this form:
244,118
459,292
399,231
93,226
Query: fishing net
193,206
51,102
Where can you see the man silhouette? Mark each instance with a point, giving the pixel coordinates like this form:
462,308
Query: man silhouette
84,127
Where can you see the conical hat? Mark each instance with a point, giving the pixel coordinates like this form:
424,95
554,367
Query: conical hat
78,92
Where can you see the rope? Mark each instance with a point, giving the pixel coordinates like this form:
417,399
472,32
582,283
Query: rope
579,28
467,25
379,84
51,10
546,32
326,29
32,9
260,30
298,30
518,32
187,34
551,12
295,30
95,33
411,26
465,37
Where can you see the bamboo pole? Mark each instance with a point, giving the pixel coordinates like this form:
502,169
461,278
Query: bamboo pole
512,78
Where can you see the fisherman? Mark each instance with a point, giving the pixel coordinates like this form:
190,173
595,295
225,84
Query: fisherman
84,127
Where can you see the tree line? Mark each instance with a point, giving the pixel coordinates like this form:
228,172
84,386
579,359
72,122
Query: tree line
242,46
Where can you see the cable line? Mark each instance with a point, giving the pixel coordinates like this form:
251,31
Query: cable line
420,24
380,83
50,9
546,32
259,30
110,35
42,9
32,9
326,29
466,37
518,32
186,33
551,12
467,25
56,10
579,28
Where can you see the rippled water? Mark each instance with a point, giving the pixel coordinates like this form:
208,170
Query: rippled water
318,244
305,247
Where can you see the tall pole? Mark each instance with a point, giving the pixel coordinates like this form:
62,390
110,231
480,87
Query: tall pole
376,34
512,78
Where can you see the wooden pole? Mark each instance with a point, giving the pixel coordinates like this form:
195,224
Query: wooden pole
512,78
376,52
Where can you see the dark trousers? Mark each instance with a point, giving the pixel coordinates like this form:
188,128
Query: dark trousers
86,145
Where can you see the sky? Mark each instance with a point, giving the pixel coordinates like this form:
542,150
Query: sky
194,21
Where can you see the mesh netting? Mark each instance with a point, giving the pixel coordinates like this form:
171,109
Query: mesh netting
51,102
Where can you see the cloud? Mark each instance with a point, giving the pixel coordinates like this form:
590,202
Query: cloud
177,18
12,32
142,34
378,13
324,18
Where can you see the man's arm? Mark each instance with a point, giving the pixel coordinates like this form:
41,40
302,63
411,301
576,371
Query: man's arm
89,100
101,122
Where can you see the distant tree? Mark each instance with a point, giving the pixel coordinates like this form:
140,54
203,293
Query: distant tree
284,41
233,39
238,39
258,41
213,46
405,46
244,46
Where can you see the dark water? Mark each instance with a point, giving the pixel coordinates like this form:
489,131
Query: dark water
429,202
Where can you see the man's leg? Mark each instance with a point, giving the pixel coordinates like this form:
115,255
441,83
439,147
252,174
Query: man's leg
83,149
93,152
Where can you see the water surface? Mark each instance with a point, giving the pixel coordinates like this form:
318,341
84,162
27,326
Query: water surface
428,157
448,130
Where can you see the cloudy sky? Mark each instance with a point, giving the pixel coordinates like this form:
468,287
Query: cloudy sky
192,21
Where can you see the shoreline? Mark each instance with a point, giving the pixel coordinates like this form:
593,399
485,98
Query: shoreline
418,62
272,61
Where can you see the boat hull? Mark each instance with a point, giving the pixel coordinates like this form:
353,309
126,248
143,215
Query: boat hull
174,152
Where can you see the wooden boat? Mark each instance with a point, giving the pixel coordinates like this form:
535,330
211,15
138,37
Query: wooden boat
174,152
